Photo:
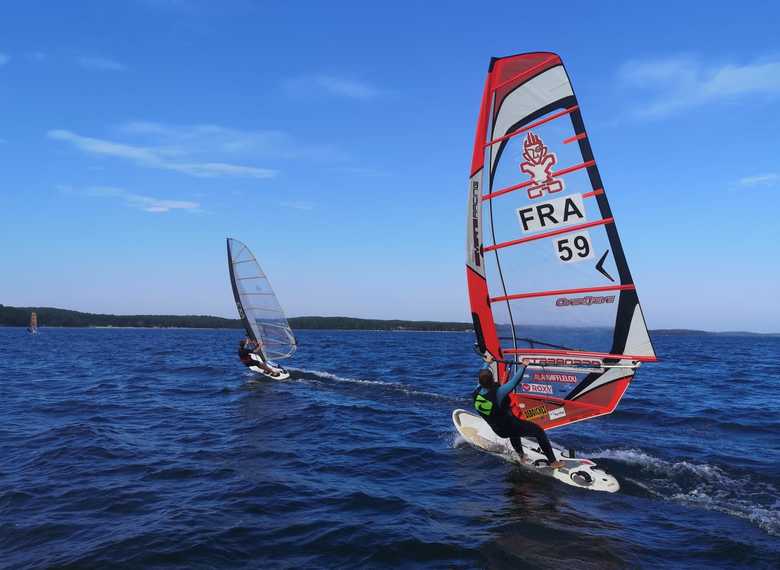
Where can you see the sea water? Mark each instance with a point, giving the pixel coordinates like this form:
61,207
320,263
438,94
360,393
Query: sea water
131,448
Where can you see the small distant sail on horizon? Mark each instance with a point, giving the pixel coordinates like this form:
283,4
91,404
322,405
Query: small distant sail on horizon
33,328
547,276
259,309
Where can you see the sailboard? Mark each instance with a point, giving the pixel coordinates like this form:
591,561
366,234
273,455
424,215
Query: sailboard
548,279
33,328
261,314
576,471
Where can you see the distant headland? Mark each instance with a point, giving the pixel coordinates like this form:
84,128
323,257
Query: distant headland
53,317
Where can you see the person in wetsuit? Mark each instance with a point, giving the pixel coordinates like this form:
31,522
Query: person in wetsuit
492,402
248,346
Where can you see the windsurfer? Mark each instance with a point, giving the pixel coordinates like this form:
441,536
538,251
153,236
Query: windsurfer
246,348
492,402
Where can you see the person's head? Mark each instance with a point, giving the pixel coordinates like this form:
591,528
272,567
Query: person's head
486,379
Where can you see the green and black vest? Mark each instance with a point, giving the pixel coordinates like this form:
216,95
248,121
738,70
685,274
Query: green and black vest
488,407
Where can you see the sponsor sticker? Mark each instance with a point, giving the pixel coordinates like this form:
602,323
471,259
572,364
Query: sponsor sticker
552,214
557,413
555,378
537,388
536,412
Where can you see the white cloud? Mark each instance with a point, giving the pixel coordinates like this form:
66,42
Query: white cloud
174,159
95,63
769,179
145,203
338,86
4,58
298,205
677,83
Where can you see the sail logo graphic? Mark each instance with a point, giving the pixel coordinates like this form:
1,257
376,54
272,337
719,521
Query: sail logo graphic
538,165
537,388
566,302
475,202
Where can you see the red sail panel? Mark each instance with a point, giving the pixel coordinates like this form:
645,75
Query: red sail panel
547,276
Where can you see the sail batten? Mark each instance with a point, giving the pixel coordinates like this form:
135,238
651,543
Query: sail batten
257,304
545,266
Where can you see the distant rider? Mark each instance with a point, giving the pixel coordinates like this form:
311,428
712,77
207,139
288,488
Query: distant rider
492,402
246,348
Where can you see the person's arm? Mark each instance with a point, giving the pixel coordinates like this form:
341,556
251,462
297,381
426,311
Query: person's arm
511,384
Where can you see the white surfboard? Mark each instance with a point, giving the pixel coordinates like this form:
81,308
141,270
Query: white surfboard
577,472
281,373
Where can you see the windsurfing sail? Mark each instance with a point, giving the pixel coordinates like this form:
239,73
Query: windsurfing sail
33,328
263,317
547,276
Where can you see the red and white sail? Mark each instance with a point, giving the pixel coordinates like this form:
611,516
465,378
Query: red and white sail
547,276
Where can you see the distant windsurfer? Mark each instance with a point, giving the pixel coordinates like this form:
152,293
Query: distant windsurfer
249,347
492,402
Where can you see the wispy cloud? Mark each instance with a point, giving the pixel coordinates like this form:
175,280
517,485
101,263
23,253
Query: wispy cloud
769,179
298,205
677,83
334,85
163,158
96,63
4,58
138,201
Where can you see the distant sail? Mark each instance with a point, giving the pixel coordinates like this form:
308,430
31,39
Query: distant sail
547,276
263,317
33,328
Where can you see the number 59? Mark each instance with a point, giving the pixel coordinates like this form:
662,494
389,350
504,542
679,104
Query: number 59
573,248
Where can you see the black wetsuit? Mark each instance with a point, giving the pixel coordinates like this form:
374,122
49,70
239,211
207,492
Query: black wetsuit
493,406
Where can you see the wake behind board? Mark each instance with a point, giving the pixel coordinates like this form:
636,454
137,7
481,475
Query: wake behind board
577,472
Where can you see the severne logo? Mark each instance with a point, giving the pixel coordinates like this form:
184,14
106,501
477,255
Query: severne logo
538,165
475,222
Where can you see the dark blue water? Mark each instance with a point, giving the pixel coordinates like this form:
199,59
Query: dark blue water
155,449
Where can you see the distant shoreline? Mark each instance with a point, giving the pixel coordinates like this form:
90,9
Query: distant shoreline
50,317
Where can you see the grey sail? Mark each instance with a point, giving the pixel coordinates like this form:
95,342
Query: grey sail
258,307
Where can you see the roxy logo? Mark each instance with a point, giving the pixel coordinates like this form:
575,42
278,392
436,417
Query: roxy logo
537,388
538,165
566,302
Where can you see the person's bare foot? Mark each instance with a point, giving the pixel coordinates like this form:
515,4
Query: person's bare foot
557,464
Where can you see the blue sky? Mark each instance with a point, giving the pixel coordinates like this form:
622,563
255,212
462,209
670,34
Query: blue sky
335,139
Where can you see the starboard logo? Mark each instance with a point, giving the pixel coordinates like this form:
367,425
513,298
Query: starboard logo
537,388
538,165
566,302
555,378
